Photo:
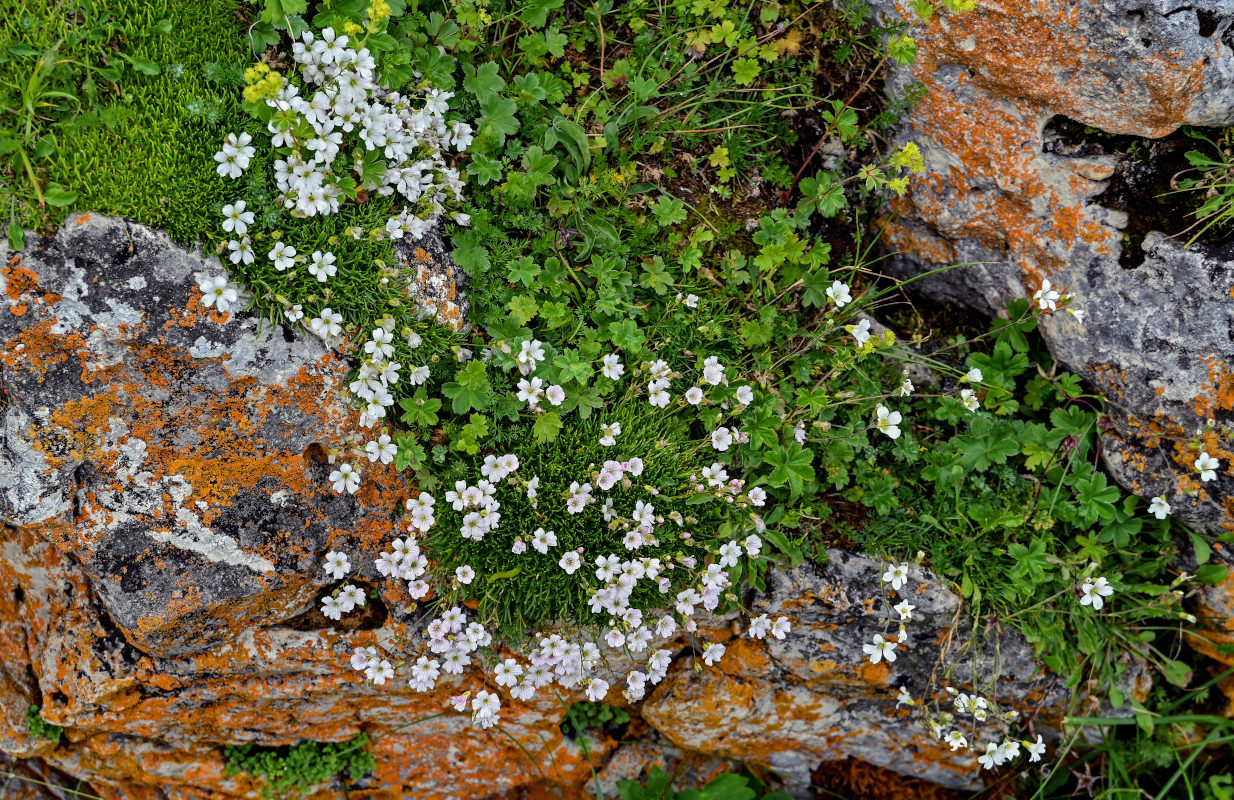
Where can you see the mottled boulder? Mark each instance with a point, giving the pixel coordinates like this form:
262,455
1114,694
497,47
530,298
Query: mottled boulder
813,696
176,451
1002,190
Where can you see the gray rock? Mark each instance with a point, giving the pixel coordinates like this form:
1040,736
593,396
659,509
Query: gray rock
177,451
813,696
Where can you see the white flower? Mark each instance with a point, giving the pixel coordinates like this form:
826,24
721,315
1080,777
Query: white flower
888,421
656,395
712,653
295,313
234,158
781,627
611,367
956,740
1159,507
760,626
993,756
322,265
609,433
1207,466
465,574
691,301
1095,593
332,607
758,496
555,394
969,400
337,564
973,375
507,672
596,690
530,352
905,610
906,386
860,331
382,450
235,219
327,324
721,439
744,395
218,292
1078,313
713,371
380,345
1036,749
380,673
880,649
241,251
345,479
730,554
484,707
694,395
283,255
839,294
1046,297
896,575
753,544
542,540
352,596
570,562
903,698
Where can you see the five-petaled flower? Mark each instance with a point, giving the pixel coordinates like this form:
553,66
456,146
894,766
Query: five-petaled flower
1207,466
1094,593
896,575
888,421
880,649
1047,298
219,292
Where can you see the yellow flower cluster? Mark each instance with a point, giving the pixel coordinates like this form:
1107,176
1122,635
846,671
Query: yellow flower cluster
261,83
378,14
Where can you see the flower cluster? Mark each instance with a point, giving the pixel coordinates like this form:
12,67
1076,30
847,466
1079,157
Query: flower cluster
338,134
638,597
339,105
379,374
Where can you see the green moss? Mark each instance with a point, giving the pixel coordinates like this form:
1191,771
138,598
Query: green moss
301,766
141,147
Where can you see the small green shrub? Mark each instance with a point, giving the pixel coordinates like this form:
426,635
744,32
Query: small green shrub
583,717
301,766
728,786
40,728
1212,181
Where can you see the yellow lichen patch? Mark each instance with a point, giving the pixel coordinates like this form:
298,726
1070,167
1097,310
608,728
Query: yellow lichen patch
1217,393
37,350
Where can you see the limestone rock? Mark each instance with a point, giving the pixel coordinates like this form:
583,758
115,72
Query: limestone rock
789,704
999,194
